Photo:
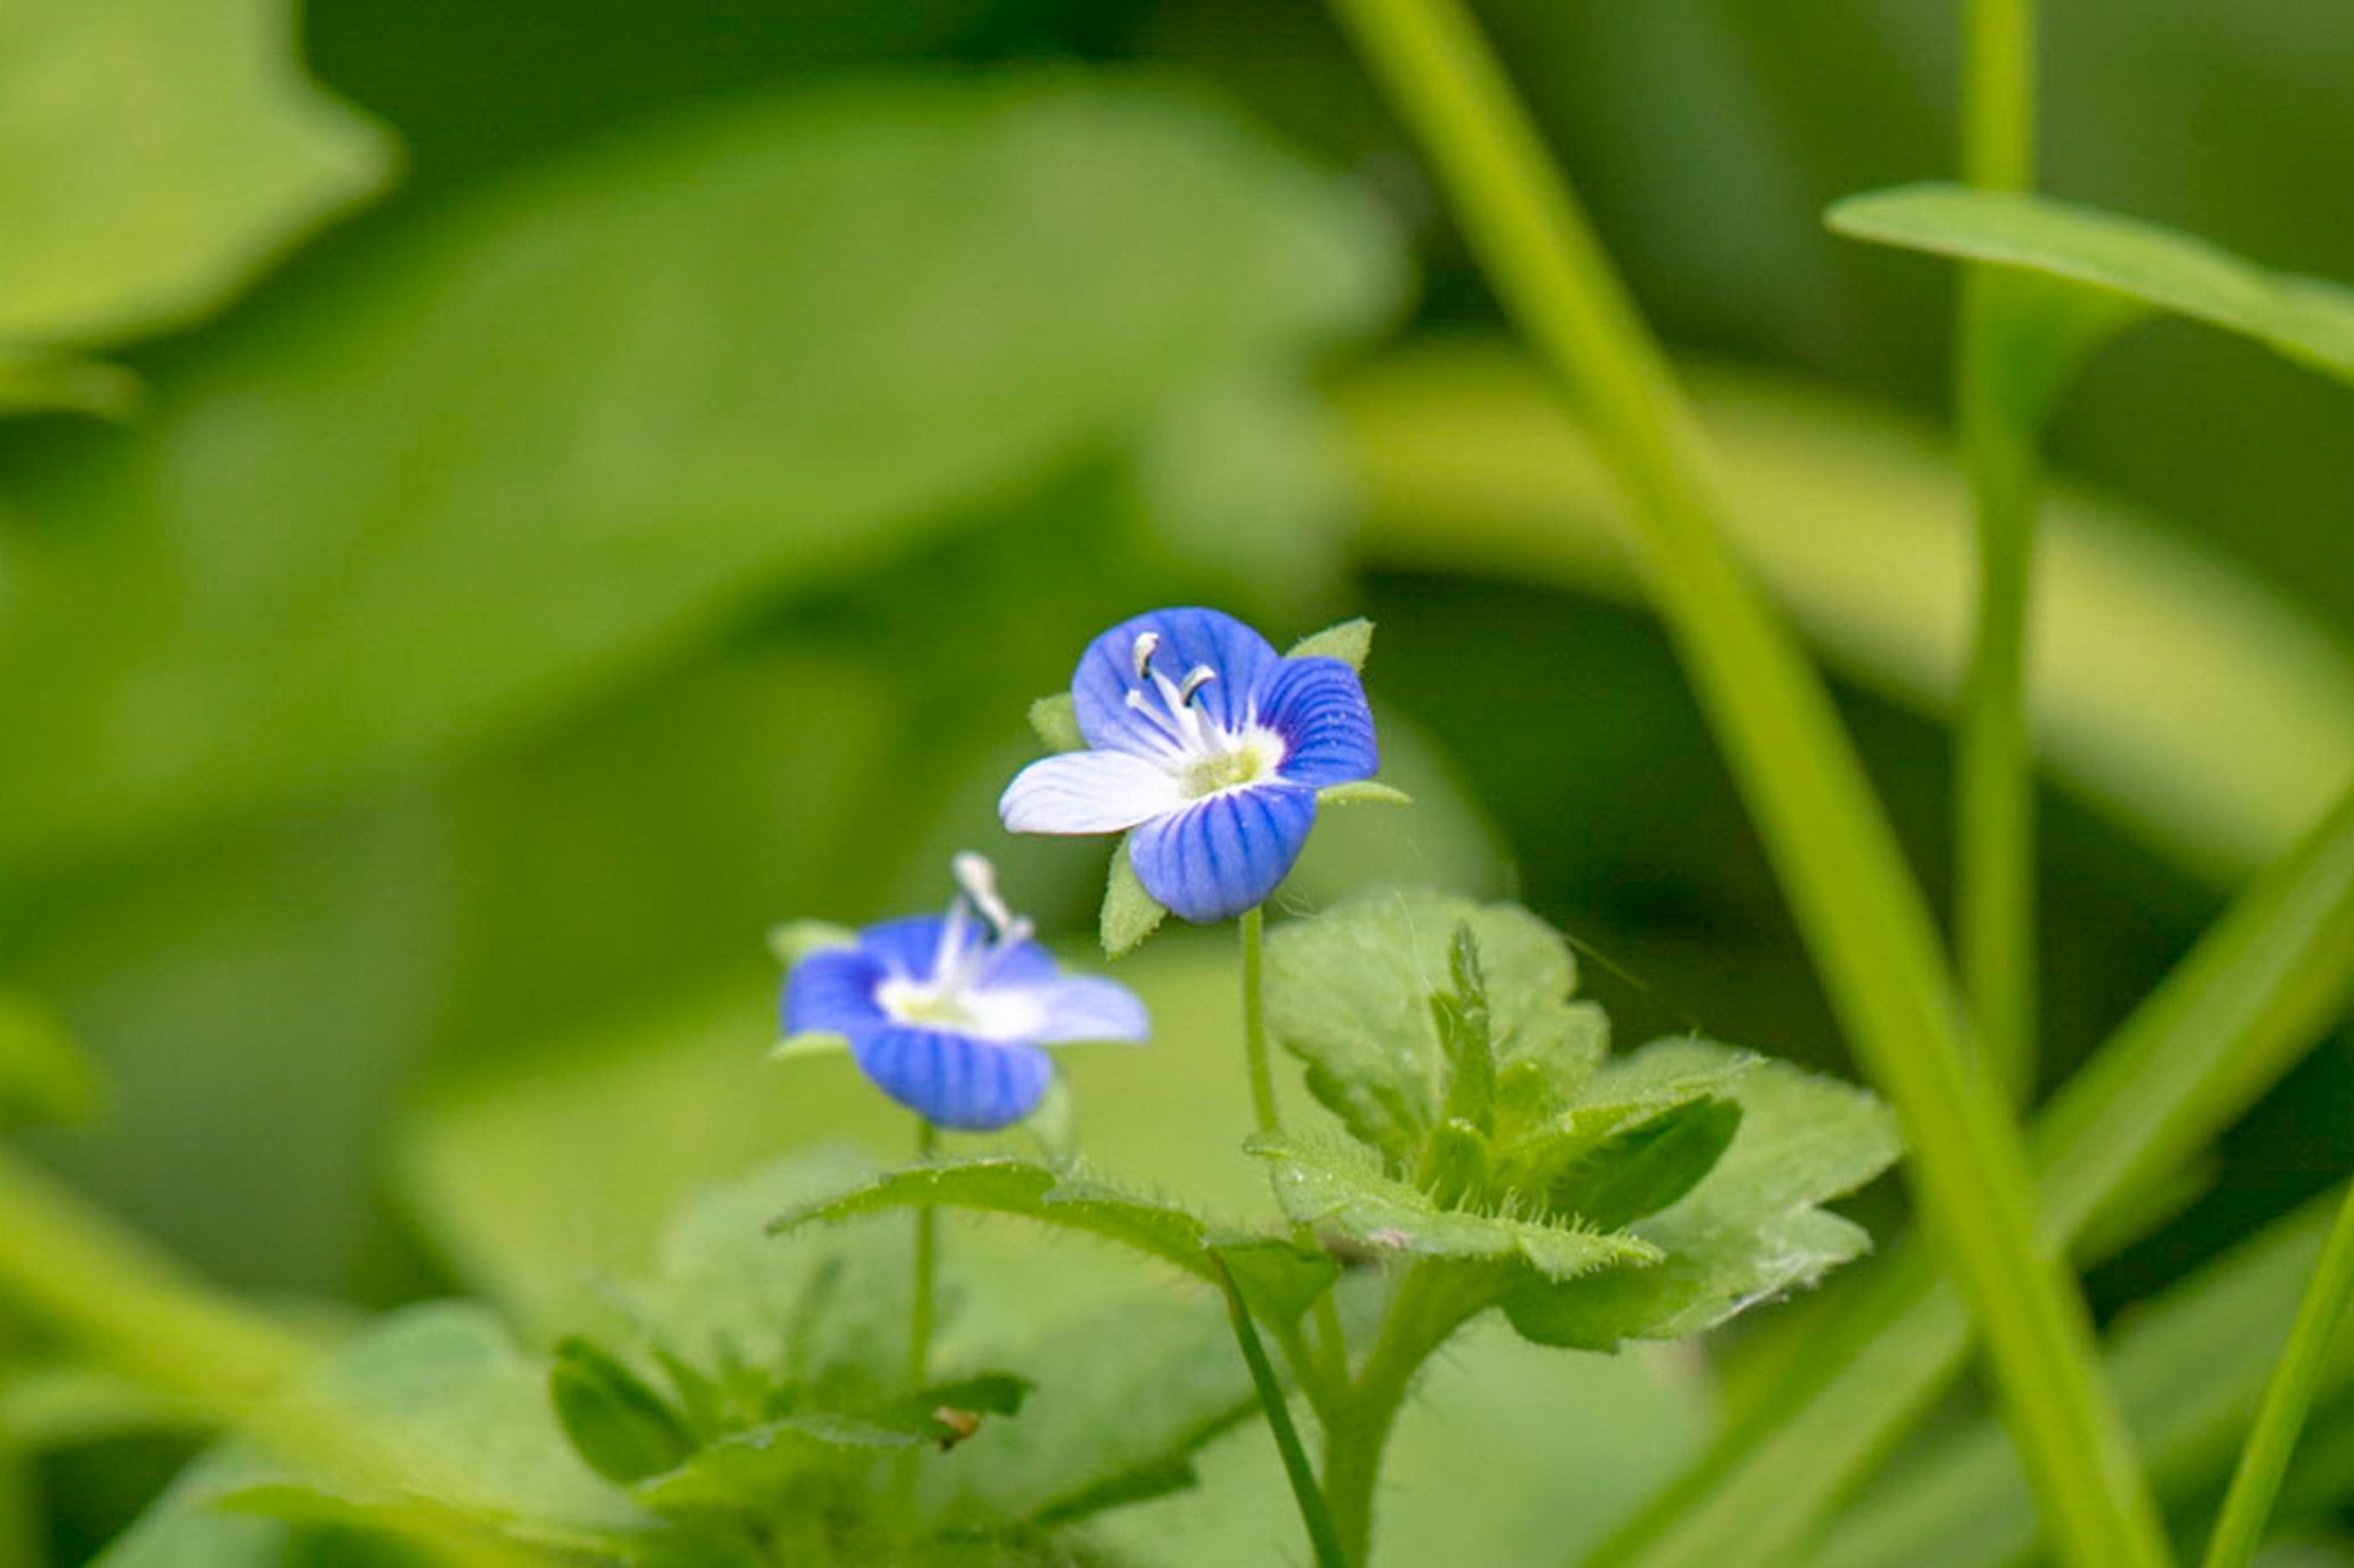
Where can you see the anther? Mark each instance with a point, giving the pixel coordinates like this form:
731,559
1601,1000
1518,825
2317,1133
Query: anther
1200,675
1141,654
979,880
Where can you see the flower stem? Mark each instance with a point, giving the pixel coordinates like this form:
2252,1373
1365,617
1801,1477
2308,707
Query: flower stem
928,1247
1322,1537
1831,845
2257,1481
1262,1076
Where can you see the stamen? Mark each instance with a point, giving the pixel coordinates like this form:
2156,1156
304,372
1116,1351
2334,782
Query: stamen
1141,654
1200,675
979,880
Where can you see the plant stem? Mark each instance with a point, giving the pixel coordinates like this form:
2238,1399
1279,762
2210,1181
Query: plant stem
2287,1397
1994,822
928,1246
1331,1367
1262,1076
1836,857
1421,1316
1312,1511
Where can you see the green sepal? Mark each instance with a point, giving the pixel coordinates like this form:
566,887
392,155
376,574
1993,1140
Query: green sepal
797,940
1130,912
1641,1169
621,1428
1055,720
809,1043
1349,642
1362,792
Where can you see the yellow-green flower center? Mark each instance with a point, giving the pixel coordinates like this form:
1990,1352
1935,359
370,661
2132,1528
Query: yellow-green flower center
1245,763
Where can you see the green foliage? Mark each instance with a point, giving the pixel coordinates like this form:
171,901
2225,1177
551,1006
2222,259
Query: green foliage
1055,720
766,285
1349,641
1649,1196
620,1427
2123,267
157,156
45,1075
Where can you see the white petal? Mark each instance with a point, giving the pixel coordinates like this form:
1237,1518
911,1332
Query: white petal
1088,792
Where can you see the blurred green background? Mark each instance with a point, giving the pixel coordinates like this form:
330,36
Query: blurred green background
647,518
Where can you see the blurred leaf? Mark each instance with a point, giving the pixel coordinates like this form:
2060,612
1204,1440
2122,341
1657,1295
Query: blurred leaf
2171,688
750,352
2188,1367
33,383
2307,319
619,1427
155,156
45,1075
1641,1170
1057,721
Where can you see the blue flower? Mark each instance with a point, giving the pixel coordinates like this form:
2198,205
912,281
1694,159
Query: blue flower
947,1014
1207,743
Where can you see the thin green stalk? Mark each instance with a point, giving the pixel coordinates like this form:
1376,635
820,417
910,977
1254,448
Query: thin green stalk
1331,1368
927,1243
1994,824
2237,1012
1838,860
23,1533
1262,1076
2287,1397
1311,1497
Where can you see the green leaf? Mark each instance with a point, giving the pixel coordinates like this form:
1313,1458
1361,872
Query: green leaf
797,940
35,383
1349,642
1334,1188
1751,1229
1279,1280
44,1076
157,156
1349,991
619,1426
1646,1167
1056,722
2307,319
1130,912
1015,1187
761,296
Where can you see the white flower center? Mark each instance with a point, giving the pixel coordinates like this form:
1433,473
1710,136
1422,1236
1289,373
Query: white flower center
957,994
1204,756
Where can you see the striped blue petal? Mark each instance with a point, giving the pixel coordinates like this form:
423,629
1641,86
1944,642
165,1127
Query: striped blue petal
954,1080
1318,706
833,992
1189,637
1224,853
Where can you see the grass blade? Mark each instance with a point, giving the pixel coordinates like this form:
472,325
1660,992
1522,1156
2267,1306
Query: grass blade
1870,936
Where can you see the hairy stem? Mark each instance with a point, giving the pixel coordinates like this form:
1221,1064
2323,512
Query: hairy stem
1422,1315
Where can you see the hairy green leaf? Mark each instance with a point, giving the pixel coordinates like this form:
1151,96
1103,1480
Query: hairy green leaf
1644,1169
619,1426
1349,641
1349,991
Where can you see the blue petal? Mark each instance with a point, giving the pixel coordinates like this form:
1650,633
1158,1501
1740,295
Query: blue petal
1318,706
910,945
1223,854
832,991
1090,1009
1106,673
953,1080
